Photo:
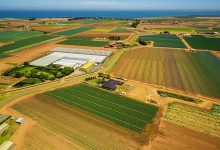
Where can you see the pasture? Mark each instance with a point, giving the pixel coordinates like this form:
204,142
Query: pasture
8,36
25,43
196,72
73,31
83,41
203,43
164,40
123,111
193,118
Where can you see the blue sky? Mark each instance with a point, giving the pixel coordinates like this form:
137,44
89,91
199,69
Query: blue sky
108,4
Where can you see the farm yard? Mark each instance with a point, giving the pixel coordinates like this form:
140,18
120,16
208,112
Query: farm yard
164,40
122,111
193,118
73,31
79,111
26,43
83,41
189,72
9,36
203,43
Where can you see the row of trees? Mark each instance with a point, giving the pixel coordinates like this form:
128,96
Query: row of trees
42,73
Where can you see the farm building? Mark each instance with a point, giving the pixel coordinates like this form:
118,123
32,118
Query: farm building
3,118
87,65
20,120
111,84
7,145
3,128
72,57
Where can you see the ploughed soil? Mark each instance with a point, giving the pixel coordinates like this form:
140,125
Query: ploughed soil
176,137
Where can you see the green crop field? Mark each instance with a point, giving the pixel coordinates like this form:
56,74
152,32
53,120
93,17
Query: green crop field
120,30
83,41
73,31
8,36
3,56
196,72
201,42
193,118
26,42
123,111
164,40
102,29
175,29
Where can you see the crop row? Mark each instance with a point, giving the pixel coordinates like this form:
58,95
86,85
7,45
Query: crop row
25,43
64,121
122,111
193,118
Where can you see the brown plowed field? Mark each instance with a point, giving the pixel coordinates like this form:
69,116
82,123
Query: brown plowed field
176,137
75,128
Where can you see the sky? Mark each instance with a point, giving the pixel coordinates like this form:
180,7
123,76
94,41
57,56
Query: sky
109,4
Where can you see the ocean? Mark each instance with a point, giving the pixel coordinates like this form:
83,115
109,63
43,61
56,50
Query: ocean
108,14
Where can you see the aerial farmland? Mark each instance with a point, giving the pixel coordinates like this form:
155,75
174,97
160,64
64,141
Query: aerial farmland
106,83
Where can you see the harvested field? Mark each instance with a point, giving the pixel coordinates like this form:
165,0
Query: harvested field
73,31
164,40
8,36
173,137
204,43
58,121
123,111
25,43
83,41
193,118
189,72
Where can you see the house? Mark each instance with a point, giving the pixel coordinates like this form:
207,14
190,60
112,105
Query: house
20,120
3,128
111,84
7,145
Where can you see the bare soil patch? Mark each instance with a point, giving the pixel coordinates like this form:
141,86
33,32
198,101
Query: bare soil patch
177,137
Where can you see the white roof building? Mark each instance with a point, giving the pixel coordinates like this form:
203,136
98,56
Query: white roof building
20,120
3,128
7,145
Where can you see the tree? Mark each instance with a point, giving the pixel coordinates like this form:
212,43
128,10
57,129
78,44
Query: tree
26,63
67,70
59,75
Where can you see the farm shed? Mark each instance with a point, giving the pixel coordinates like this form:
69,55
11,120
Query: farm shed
7,145
3,128
20,120
87,65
